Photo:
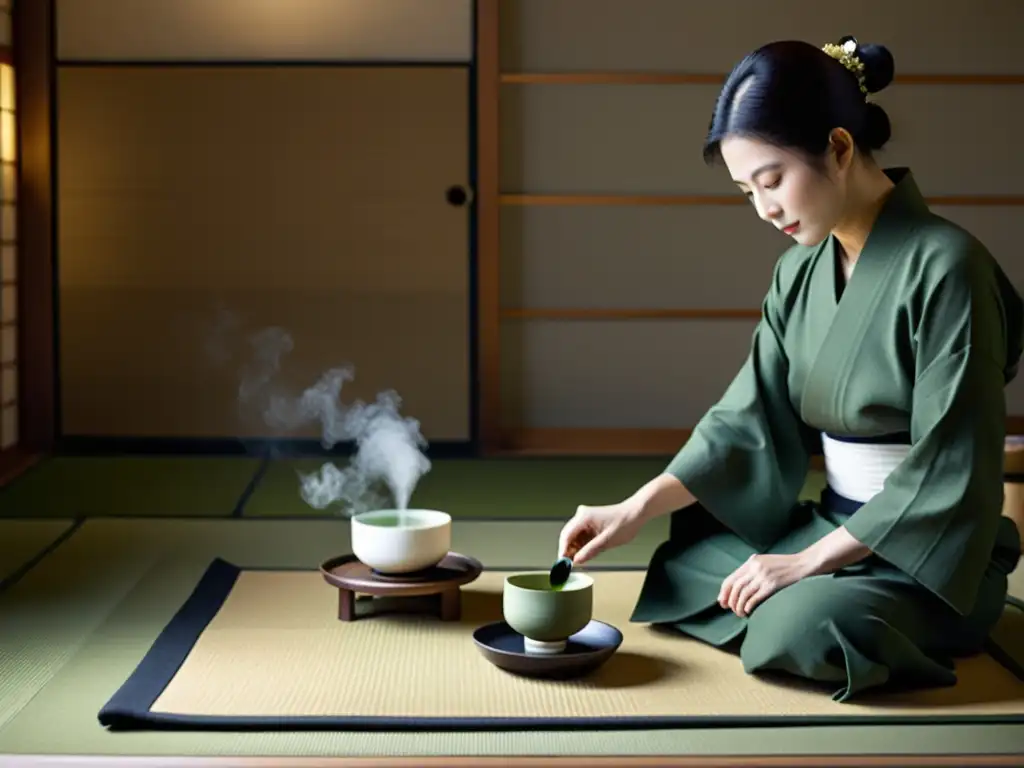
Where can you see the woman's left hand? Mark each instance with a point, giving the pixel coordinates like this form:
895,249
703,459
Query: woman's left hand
757,580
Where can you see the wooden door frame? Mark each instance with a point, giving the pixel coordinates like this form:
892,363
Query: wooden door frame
32,43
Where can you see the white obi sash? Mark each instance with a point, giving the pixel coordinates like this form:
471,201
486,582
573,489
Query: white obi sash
857,468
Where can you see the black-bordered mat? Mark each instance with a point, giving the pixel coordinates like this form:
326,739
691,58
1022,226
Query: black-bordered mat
264,650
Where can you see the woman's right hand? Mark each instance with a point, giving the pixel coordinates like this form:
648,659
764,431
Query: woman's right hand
593,530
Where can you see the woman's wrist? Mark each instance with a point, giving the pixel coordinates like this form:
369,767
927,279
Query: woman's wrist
661,496
831,553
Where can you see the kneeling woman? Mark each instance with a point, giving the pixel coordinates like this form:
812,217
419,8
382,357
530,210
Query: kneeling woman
887,337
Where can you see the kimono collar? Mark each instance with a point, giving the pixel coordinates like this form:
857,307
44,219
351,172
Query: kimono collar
900,214
904,200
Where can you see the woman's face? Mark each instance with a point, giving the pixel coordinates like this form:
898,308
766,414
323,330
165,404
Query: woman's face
786,191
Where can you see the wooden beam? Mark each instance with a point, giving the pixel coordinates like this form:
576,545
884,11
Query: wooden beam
488,211
586,313
34,75
577,200
524,200
717,78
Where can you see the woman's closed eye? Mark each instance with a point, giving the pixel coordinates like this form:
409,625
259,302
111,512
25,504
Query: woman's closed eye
771,185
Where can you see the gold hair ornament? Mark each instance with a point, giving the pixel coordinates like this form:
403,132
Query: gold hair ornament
846,54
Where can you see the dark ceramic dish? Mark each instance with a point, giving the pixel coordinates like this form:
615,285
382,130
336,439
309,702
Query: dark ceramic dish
587,650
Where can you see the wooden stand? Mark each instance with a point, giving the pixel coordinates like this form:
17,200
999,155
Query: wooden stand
442,584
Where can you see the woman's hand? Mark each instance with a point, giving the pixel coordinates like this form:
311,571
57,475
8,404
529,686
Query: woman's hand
764,575
593,530
758,579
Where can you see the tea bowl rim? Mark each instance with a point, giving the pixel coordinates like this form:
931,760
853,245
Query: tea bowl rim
433,518
578,582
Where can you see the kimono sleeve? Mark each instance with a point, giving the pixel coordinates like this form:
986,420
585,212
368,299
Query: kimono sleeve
938,515
748,457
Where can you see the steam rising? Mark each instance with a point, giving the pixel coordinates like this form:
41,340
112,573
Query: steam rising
389,446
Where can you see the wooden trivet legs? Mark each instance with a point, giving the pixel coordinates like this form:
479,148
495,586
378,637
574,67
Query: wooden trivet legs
449,603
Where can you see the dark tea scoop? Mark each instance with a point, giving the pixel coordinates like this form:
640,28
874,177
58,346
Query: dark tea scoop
560,571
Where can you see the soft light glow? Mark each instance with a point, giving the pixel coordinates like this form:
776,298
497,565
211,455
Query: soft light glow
8,135
8,140
6,87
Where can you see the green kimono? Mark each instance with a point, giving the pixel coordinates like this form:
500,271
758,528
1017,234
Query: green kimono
922,340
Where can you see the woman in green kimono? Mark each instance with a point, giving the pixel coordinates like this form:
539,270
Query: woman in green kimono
887,337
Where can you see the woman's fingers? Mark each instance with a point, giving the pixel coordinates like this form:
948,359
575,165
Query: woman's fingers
750,601
729,585
592,548
572,537
744,587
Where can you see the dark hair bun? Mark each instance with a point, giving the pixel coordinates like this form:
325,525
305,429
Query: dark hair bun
879,70
879,66
877,128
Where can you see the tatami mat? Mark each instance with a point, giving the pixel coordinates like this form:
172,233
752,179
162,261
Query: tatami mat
299,663
22,541
517,488
150,486
132,575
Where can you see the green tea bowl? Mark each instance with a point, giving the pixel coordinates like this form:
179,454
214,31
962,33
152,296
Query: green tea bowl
393,541
547,616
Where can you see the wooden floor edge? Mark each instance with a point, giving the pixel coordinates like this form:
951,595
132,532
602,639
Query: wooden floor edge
624,442
554,441
603,761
